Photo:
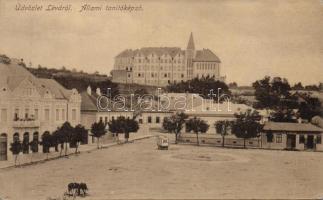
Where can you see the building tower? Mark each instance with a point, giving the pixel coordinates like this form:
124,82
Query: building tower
190,54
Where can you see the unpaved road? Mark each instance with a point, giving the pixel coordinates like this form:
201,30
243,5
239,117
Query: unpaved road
141,171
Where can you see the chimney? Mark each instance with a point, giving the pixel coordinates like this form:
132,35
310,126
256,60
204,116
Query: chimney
89,90
98,91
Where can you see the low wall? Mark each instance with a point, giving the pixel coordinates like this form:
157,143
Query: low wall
216,140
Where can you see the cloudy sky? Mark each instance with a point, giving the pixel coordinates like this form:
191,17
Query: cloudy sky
252,38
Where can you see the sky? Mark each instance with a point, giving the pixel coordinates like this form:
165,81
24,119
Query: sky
253,38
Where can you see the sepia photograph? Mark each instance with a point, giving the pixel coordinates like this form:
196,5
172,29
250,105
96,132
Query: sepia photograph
161,99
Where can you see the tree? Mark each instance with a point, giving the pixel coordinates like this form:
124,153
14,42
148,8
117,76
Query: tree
77,136
310,107
123,125
201,86
114,128
246,125
233,85
33,147
283,115
140,92
55,141
298,86
174,124
65,134
25,145
312,87
16,148
5,59
98,130
197,126
46,142
272,93
131,126
222,128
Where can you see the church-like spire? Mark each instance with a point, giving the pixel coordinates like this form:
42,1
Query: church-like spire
190,44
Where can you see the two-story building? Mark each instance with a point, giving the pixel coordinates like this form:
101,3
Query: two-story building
29,106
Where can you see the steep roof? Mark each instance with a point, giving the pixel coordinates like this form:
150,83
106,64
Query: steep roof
206,55
201,55
317,120
172,51
291,127
190,44
56,89
13,74
126,53
88,102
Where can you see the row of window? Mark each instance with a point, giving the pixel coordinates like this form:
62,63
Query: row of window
151,60
60,114
159,60
302,139
204,75
155,68
270,138
205,66
278,137
155,75
150,120
106,119
155,81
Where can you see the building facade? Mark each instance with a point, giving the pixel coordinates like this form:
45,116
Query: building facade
29,106
160,66
292,136
90,112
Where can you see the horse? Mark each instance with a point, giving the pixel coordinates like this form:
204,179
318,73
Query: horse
83,187
76,188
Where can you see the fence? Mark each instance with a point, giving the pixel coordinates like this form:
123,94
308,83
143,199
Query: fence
217,140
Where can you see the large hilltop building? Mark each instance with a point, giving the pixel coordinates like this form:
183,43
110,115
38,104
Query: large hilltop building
160,66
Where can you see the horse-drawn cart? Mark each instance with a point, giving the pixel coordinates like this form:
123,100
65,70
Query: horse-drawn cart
162,142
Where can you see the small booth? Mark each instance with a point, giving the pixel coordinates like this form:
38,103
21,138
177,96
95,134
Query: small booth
291,136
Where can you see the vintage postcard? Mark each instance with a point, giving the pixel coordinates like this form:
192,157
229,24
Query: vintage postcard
152,99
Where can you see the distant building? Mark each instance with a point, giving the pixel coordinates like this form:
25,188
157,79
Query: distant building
90,113
298,136
29,106
160,66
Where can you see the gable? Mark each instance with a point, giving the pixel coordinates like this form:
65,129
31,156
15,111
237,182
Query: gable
26,88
